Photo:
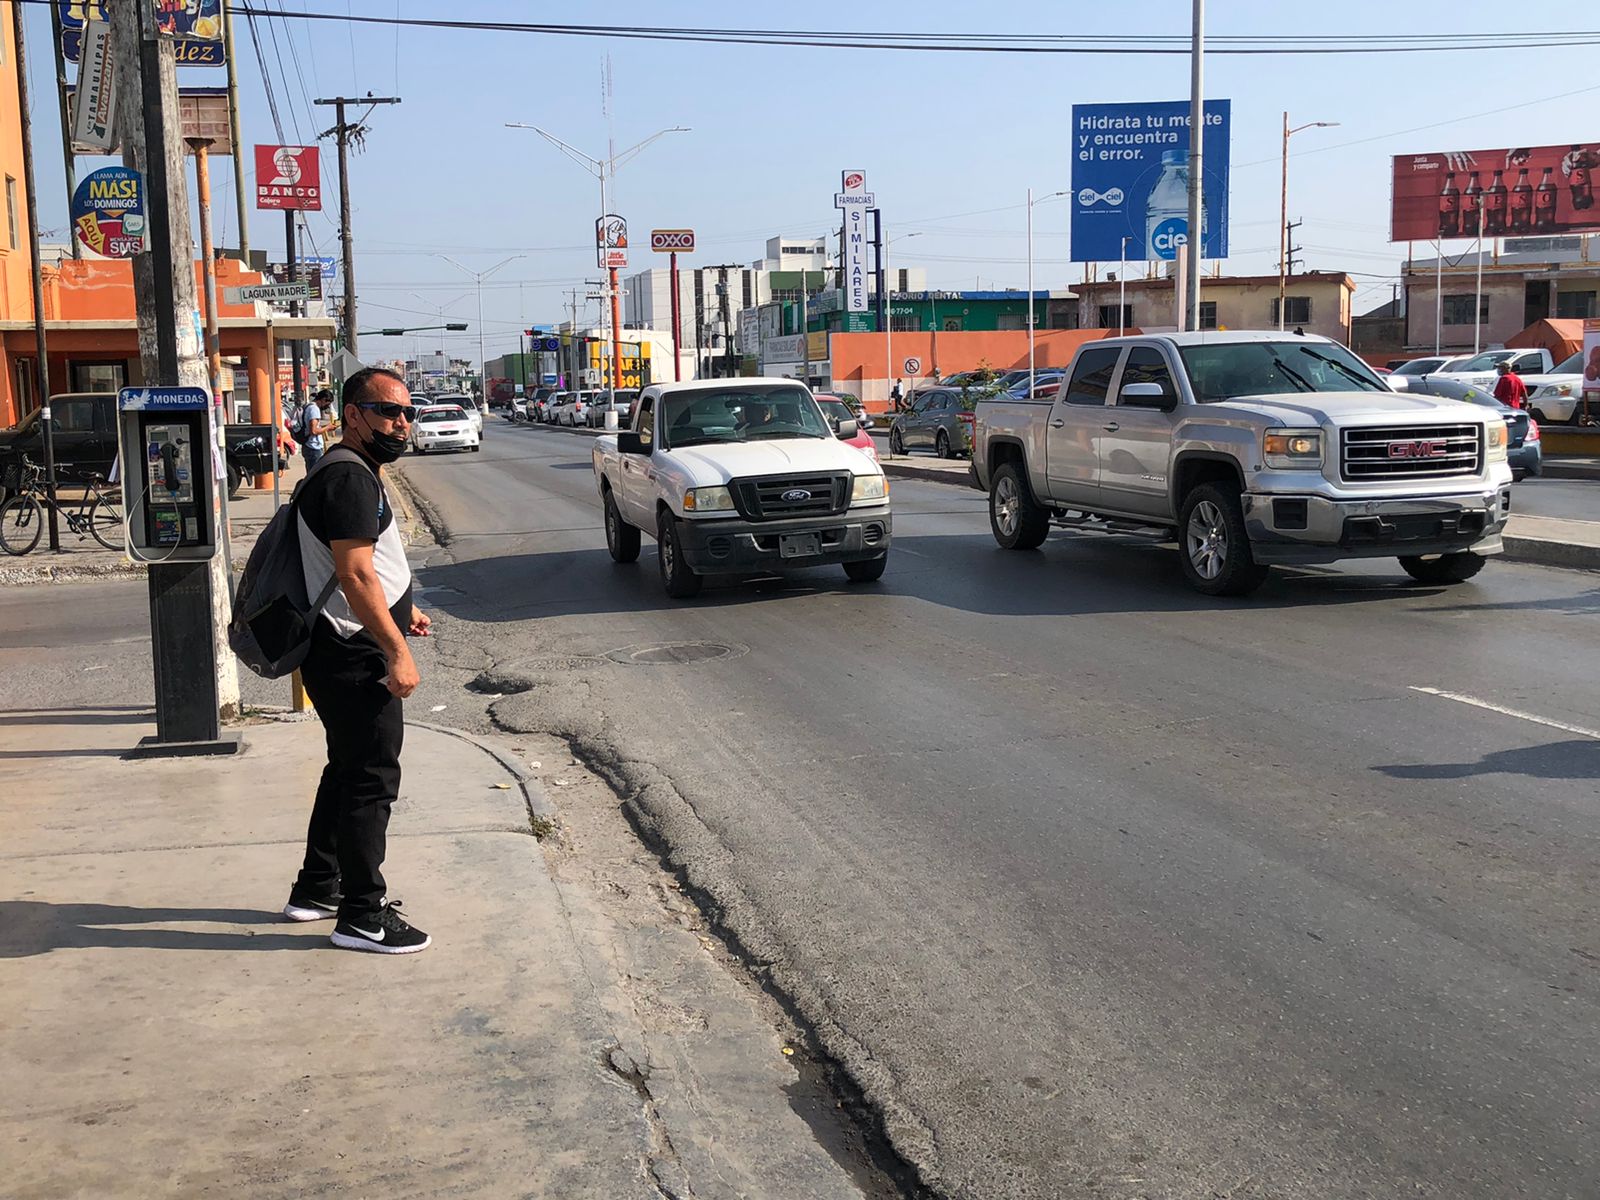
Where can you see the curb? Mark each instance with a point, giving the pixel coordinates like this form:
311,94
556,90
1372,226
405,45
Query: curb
1556,469
1547,552
538,804
85,573
905,470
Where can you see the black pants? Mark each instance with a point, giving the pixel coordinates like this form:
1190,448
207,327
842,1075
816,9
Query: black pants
365,726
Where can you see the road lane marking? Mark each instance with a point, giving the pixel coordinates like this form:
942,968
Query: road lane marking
1507,712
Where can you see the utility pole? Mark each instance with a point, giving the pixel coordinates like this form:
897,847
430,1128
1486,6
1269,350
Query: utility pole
1197,129
30,187
233,133
196,675
727,326
346,132
68,162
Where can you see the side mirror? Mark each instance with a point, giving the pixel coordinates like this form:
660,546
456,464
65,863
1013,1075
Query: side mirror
846,430
629,442
1147,395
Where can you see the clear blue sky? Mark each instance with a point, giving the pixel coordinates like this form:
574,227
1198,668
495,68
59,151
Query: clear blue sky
940,135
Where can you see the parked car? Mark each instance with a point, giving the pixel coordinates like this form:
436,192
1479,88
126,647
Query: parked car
574,409
1479,370
1524,449
543,407
620,402
937,419
444,427
863,417
558,405
1250,449
740,476
837,410
517,408
1557,398
1018,388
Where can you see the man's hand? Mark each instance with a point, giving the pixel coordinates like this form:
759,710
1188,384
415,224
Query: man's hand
403,678
421,624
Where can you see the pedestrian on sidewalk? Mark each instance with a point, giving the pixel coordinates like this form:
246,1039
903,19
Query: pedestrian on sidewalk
317,424
359,669
1509,388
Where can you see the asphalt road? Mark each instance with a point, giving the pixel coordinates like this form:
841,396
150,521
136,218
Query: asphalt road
1098,887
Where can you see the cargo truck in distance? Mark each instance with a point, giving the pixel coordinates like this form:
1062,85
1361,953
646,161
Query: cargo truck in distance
1249,449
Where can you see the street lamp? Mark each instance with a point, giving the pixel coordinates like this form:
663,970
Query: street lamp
1283,211
1122,286
453,326
478,278
888,310
1031,203
603,169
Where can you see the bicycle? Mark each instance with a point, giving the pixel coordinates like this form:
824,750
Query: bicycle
97,514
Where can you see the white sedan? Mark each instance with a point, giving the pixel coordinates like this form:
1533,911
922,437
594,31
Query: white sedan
1557,398
467,405
444,427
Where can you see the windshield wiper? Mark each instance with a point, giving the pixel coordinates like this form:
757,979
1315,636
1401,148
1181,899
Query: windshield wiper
697,441
1366,384
1304,383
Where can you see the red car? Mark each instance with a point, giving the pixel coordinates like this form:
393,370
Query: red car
836,410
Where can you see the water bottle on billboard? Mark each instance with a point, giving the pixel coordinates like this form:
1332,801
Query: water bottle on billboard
1166,217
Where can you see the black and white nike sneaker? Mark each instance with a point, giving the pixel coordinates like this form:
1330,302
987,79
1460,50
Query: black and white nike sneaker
382,932
303,906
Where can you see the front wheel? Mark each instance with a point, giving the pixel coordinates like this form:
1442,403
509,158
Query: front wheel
105,522
897,443
941,444
1443,568
21,520
1018,523
235,481
622,539
867,570
1213,544
681,583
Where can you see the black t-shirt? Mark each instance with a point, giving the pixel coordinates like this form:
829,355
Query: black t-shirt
342,499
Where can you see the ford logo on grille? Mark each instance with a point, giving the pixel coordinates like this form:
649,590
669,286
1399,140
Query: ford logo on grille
795,496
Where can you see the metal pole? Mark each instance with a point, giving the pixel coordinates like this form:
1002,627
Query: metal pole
483,367
1283,226
616,332
1197,121
1438,296
1122,288
30,187
233,133
1477,298
877,239
56,31
677,334
295,310
1030,293
888,322
208,270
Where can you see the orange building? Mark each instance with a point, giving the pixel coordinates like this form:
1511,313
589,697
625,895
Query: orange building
15,300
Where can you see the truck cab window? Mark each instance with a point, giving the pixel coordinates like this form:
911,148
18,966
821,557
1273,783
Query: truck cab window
1146,365
644,424
1091,376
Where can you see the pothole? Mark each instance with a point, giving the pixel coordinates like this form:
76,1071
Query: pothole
499,683
664,654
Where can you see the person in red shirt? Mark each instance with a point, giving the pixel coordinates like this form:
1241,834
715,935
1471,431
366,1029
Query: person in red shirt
1510,390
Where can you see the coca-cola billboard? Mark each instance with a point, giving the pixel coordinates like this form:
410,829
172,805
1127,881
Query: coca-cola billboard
1500,193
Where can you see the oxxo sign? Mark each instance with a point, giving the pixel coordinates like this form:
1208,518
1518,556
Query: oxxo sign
672,241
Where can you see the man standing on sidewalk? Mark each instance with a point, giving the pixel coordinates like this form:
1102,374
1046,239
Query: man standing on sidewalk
359,669
317,425
1509,388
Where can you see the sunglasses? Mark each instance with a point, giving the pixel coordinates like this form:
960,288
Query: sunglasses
389,409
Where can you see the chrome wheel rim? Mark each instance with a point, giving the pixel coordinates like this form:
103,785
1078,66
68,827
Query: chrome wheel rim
1007,506
1207,540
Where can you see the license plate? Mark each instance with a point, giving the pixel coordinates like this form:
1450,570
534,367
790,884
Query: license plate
799,545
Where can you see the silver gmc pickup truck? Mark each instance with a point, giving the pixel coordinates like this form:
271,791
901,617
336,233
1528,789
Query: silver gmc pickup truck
1248,449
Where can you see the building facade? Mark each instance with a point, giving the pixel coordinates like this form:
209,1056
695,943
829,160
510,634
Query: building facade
1317,302
1523,281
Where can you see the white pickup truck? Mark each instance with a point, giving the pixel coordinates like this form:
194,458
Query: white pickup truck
1252,449
739,477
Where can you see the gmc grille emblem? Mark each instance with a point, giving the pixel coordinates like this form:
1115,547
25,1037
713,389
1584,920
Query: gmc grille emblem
1417,449
795,496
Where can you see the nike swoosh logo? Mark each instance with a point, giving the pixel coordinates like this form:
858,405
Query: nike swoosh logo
375,934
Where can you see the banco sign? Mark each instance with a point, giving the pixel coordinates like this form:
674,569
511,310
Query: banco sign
289,177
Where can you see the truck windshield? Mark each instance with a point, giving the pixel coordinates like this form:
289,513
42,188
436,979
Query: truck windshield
1486,361
1229,370
739,414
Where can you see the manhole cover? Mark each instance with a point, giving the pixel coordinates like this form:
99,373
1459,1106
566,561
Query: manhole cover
673,653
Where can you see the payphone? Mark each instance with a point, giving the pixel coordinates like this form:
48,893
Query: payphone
166,455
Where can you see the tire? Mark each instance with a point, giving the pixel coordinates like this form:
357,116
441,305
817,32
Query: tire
1017,522
235,481
1444,568
868,570
622,539
105,522
681,583
21,522
1213,545
941,445
476,446
897,442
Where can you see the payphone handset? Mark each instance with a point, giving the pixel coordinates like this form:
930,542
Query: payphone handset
165,440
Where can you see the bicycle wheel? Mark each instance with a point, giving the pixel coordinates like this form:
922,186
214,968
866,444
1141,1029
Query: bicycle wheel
105,521
21,521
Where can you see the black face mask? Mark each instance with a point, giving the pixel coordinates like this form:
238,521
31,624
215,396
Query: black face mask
382,448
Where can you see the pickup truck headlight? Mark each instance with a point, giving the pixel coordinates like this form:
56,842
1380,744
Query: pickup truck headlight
1496,436
1553,389
1292,449
868,488
708,499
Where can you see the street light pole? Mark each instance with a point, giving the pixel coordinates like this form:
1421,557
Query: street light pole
1283,212
1031,203
478,278
888,332
1122,286
1197,121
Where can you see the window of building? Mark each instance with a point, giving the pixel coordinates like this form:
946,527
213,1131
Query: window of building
1208,314
1091,378
1011,321
1108,316
11,210
1296,310
1575,304
1458,308
907,324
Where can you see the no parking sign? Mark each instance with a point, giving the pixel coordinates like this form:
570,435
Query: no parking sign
913,366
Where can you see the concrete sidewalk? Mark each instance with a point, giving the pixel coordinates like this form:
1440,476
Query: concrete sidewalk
168,1033
1546,541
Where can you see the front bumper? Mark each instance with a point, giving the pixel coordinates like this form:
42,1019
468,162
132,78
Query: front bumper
1526,459
456,441
737,546
1303,529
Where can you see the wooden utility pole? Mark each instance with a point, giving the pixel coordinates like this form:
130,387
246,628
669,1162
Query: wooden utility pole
346,132
196,675
233,133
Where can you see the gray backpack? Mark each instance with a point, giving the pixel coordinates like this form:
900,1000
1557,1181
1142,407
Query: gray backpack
273,617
